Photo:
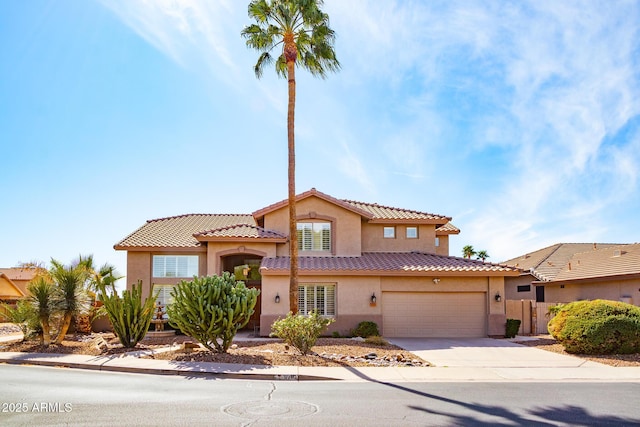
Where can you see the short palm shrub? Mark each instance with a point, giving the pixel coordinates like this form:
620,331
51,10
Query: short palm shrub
129,316
365,329
212,309
25,316
300,331
597,327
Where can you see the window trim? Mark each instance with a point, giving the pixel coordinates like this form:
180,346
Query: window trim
391,228
192,262
329,291
416,236
301,236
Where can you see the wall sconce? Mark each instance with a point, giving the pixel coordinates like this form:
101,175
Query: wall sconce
436,280
277,299
373,298
498,297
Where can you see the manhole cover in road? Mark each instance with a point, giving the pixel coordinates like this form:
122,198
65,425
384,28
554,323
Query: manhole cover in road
270,409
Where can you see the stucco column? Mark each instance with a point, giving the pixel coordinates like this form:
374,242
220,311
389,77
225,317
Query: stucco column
497,314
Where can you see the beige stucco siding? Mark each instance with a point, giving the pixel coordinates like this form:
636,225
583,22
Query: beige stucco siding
346,232
373,239
615,290
353,298
443,247
217,250
511,287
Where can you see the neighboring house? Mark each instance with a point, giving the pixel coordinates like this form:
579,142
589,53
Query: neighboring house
13,282
568,272
358,261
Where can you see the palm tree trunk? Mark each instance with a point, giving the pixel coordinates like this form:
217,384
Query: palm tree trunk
66,322
46,337
293,228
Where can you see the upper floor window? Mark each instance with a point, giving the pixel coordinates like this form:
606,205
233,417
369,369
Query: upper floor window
437,242
317,296
389,232
175,265
314,236
412,232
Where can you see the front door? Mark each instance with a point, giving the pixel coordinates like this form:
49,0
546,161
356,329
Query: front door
246,267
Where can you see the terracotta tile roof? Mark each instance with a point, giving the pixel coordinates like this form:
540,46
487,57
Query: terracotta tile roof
371,211
240,231
313,192
19,273
386,263
448,228
9,290
178,231
546,263
623,260
387,213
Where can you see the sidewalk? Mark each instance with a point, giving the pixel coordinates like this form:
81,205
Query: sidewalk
551,371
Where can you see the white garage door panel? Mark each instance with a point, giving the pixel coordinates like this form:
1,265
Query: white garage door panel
435,314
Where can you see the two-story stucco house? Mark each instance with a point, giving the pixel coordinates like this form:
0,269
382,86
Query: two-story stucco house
358,261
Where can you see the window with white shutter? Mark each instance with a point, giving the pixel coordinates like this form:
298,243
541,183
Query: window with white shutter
164,296
314,236
184,266
317,296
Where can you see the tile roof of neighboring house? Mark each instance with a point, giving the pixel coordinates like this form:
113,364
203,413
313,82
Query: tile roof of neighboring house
178,231
8,289
609,262
386,263
545,264
373,212
19,273
240,231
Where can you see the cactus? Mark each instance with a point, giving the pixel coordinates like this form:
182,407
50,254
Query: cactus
211,309
128,315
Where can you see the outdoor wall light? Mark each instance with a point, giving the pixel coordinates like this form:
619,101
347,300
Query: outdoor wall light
436,280
498,297
373,298
277,299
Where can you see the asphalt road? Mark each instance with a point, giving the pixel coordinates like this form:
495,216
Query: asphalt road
38,396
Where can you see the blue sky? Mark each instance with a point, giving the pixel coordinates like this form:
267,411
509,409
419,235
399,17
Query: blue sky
521,120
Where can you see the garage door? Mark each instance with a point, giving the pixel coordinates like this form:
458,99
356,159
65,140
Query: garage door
431,314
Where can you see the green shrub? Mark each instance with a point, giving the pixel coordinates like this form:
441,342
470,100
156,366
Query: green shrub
336,334
376,340
211,309
365,329
300,331
129,316
597,327
24,315
512,327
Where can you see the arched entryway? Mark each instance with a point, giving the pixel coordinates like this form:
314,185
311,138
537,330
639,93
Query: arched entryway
246,267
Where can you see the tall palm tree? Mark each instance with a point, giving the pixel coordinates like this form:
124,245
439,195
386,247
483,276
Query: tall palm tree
71,284
44,298
483,255
298,32
468,251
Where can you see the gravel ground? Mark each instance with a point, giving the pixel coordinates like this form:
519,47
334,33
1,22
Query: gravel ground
326,352
546,342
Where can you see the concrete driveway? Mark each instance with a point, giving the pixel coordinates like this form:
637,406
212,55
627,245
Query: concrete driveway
484,353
